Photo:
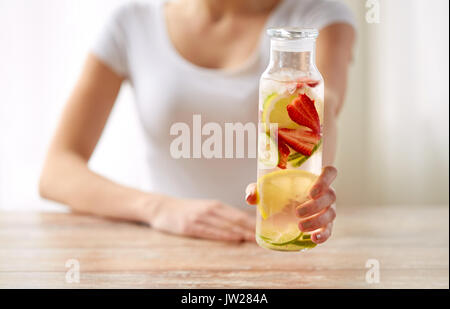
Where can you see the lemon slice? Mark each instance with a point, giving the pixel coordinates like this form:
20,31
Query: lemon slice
278,189
274,111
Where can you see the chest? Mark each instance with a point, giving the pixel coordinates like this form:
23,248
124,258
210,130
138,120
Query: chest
173,83
165,99
224,44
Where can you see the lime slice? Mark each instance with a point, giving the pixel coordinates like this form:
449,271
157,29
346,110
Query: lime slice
297,245
306,236
277,189
304,244
278,238
267,151
289,239
270,97
274,111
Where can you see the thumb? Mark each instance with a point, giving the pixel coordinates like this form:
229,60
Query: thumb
250,194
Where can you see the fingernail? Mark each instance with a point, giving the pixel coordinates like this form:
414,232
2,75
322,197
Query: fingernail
247,195
251,198
318,236
303,226
301,211
314,192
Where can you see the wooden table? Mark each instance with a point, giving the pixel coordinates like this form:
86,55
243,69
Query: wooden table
409,243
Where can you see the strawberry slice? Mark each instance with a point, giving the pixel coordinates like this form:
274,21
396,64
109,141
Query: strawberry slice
302,111
283,151
298,139
310,108
303,133
310,82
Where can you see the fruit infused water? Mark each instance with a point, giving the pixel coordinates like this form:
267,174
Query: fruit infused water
290,138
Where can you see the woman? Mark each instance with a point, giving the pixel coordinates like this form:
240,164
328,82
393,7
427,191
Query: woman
183,58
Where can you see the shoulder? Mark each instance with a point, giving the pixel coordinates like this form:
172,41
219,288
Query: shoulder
319,13
117,37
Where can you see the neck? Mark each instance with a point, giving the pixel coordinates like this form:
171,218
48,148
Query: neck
216,9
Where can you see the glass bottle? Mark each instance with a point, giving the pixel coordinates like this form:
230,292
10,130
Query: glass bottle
290,137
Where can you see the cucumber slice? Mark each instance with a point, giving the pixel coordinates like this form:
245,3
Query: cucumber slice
297,159
294,156
267,151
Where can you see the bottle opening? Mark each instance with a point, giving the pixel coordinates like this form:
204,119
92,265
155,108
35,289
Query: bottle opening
292,33
292,39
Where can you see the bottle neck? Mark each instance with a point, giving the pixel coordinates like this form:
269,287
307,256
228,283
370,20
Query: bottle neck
298,55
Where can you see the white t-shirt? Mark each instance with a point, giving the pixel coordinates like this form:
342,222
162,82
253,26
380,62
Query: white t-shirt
169,89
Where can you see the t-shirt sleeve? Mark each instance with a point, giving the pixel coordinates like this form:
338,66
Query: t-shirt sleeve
325,13
110,46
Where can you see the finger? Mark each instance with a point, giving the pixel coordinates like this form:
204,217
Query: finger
250,194
312,207
251,238
318,221
218,222
325,179
236,216
322,234
201,230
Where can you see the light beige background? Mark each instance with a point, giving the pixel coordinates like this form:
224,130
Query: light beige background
393,141
393,145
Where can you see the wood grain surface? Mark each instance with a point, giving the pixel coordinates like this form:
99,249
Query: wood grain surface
410,244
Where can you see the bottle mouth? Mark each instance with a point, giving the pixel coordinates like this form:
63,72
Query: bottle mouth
292,33
291,39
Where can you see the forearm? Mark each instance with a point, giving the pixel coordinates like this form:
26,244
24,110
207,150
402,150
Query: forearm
67,179
330,130
334,54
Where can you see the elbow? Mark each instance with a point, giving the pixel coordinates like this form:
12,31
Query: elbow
53,182
331,109
331,115
50,178
44,185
